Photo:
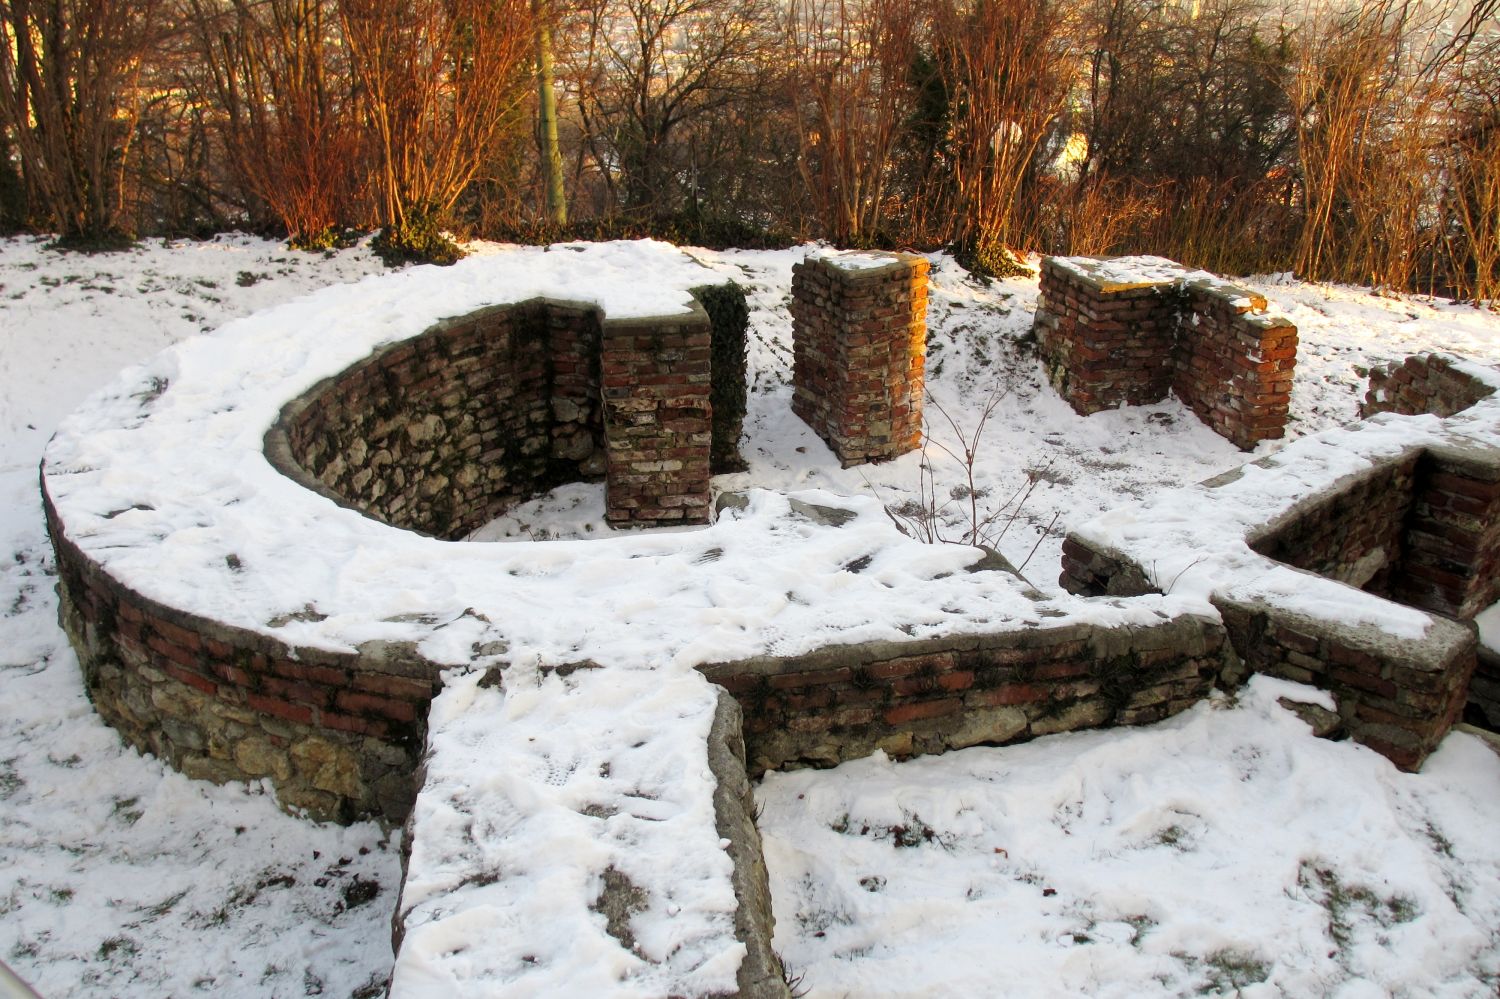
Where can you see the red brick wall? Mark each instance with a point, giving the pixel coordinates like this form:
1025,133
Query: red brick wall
444,432
1355,533
1423,383
844,702
1104,350
859,346
1105,345
1399,704
337,734
1233,366
1452,539
658,420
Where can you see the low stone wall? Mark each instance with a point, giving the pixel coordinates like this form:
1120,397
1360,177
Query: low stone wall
1451,551
844,702
1397,696
1427,383
443,432
337,735
859,348
1127,331
1418,524
1355,533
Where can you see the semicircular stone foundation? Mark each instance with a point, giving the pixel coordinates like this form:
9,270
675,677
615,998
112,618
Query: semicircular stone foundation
258,538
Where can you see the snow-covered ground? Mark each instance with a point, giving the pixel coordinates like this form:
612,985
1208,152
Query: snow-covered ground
1209,853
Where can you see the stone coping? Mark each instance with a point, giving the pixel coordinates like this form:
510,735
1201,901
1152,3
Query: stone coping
872,264
1115,274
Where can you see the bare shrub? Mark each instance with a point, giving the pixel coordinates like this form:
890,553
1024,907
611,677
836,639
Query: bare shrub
438,83
69,100
849,91
275,72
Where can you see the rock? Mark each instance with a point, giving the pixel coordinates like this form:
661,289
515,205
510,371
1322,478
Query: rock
203,768
828,516
178,700
618,900
991,725
1083,714
259,758
327,767
900,745
1324,723
731,501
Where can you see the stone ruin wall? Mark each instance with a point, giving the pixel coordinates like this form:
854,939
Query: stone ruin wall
440,433
859,349
1421,529
1107,344
338,735
1426,383
1454,536
930,696
443,432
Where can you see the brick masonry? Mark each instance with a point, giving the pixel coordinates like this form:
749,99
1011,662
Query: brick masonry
1454,532
337,734
906,698
1427,383
1420,526
658,420
859,348
443,432
1109,342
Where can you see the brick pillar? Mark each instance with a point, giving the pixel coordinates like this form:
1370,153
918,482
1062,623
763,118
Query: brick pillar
859,346
1105,341
657,420
1234,364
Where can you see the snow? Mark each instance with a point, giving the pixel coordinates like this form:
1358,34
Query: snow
275,908
198,413
851,261
118,876
1489,628
1225,848
532,794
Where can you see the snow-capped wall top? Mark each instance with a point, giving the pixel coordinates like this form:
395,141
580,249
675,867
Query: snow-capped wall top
162,480
1192,541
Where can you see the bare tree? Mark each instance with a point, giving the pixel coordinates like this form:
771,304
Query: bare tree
439,81
552,161
850,91
650,71
1012,69
68,98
